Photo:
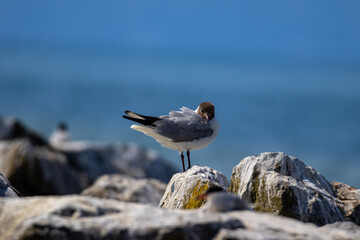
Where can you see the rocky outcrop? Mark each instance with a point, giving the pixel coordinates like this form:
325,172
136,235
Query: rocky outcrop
349,201
42,170
80,217
37,170
267,226
75,217
184,189
99,159
128,189
11,128
284,185
342,229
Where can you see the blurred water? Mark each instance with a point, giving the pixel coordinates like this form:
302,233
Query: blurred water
310,110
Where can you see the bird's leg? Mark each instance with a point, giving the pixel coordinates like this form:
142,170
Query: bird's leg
182,159
188,155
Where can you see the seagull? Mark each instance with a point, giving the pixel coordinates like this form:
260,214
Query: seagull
184,130
218,200
60,136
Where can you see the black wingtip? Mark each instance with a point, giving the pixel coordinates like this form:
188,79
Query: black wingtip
144,120
127,117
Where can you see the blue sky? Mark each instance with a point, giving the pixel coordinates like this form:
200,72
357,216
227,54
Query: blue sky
296,29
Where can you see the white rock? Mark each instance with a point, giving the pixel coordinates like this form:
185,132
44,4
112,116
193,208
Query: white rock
128,189
184,189
82,217
284,185
349,201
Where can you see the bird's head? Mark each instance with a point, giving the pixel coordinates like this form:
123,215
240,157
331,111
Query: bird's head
206,110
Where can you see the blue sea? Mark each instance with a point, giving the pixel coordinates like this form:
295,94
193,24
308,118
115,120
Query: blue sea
309,109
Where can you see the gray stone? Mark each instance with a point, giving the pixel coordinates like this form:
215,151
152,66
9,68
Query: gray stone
265,226
82,217
184,189
42,170
132,160
342,229
284,185
12,128
73,217
128,189
37,170
349,201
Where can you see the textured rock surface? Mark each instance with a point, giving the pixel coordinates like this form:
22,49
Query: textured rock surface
80,217
128,189
267,226
41,170
74,218
284,185
132,160
184,189
37,170
349,201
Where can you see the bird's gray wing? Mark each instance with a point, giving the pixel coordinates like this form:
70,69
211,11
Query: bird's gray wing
183,126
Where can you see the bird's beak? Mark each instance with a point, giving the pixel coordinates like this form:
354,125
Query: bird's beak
206,117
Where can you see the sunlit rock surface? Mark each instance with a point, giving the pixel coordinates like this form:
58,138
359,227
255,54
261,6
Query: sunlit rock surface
74,217
82,217
128,189
261,226
185,188
349,201
284,185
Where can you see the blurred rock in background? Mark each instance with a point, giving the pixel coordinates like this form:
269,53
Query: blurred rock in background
35,168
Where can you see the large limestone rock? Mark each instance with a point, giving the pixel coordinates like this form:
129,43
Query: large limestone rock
128,189
80,217
260,226
132,160
37,170
349,201
41,170
184,189
284,185
73,217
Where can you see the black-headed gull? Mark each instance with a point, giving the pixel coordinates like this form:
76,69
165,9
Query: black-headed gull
184,130
60,135
218,200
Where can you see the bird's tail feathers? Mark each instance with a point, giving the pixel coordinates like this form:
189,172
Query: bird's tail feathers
144,120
